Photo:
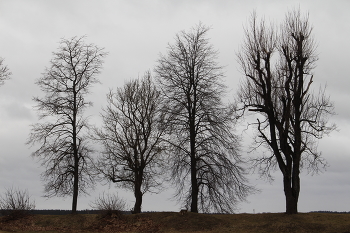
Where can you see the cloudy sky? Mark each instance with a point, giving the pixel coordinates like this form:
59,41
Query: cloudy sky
135,33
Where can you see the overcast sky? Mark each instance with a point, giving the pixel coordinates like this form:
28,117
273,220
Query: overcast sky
135,33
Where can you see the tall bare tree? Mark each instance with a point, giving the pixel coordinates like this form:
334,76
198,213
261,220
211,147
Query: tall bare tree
278,67
132,138
4,72
205,160
64,150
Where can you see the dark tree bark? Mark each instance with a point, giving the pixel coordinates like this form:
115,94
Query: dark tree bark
138,194
64,151
278,68
205,164
132,138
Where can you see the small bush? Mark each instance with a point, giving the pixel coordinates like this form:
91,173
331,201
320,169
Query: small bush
15,204
109,205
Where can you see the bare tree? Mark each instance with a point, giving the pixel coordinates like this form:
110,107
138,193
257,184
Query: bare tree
278,67
64,149
132,138
205,161
4,72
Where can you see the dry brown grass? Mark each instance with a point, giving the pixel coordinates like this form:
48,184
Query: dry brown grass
190,222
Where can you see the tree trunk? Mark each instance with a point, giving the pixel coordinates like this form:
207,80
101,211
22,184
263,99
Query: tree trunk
138,196
75,152
138,202
291,204
75,195
291,191
194,184
75,186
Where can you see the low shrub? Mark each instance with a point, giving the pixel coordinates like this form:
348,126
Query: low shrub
110,206
15,204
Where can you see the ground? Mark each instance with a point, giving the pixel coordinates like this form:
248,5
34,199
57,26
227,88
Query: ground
174,222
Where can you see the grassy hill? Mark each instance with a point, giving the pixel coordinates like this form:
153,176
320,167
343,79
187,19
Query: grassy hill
174,222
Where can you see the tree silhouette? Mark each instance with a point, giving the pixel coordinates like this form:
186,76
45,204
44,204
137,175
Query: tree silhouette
278,67
204,159
64,150
132,138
